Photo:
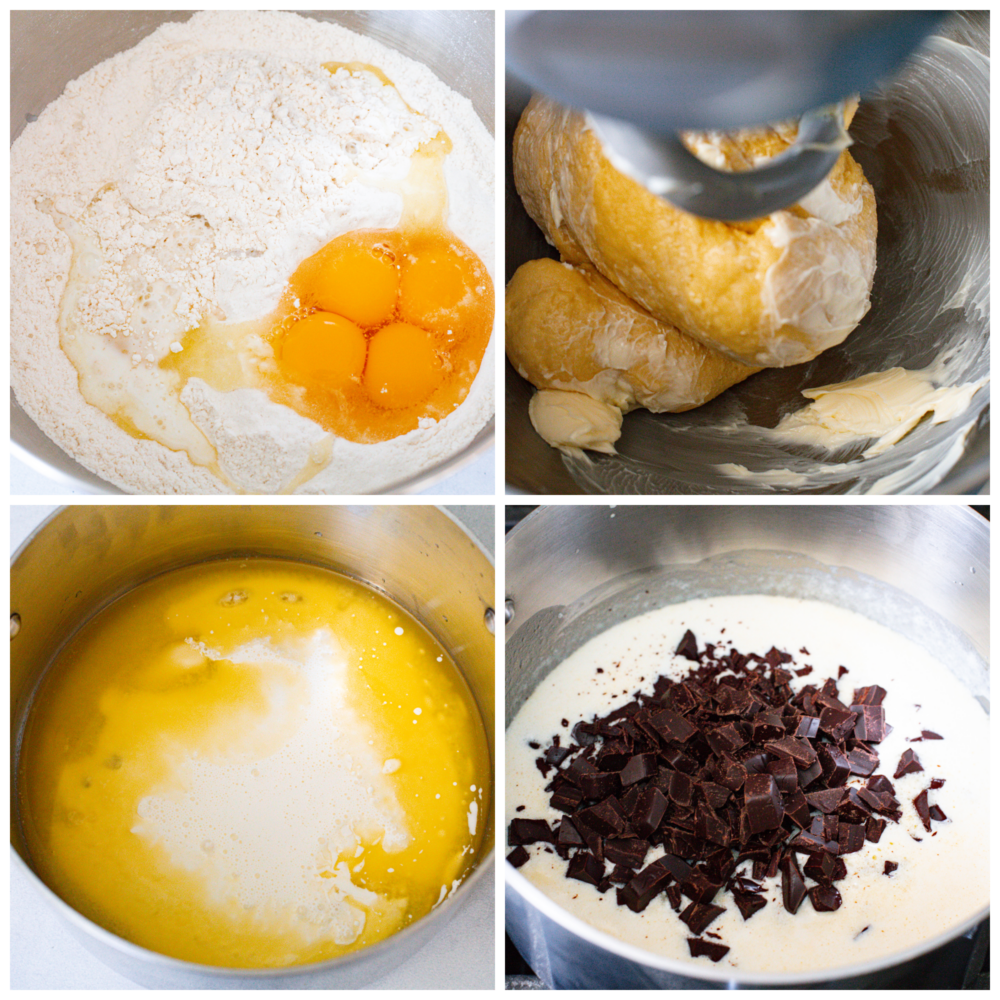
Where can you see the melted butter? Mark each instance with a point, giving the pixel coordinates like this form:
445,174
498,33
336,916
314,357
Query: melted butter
281,771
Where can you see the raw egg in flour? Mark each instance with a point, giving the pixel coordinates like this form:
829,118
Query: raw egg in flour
387,327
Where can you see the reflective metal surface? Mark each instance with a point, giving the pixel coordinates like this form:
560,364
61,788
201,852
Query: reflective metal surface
573,572
923,141
51,48
83,557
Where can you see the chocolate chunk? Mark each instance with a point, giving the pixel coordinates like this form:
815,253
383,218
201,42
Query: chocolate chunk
785,774
928,735
715,795
937,814
937,783
688,647
568,835
852,808
799,750
827,800
518,856
630,852
824,868
605,818
837,723
880,783
797,808
567,798
529,831
679,760
767,727
871,723
673,894
834,763
699,947
584,867
730,773
762,802
650,882
680,789
808,727
679,869
909,763
868,695
699,888
699,915
831,827
841,670
748,903
671,726
708,825
809,843
585,734
874,829
725,739
825,898
923,809
852,838
754,760
862,761
649,811
810,774
639,767
890,867
793,886
556,755
804,672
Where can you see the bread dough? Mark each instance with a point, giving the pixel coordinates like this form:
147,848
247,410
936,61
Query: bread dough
574,421
775,291
569,329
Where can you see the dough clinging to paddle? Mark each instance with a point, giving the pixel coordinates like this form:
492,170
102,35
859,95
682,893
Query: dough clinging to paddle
772,292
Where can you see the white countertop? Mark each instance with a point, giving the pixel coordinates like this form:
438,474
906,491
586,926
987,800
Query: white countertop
44,955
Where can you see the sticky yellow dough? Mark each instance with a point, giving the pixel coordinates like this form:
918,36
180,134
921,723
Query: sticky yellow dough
569,328
773,292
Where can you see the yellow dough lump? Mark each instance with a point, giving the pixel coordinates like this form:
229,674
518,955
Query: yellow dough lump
771,292
569,329
253,764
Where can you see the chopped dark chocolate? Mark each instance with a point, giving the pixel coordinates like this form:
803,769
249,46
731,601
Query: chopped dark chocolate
699,947
649,811
671,726
837,723
586,868
937,814
785,773
871,723
639,767
868,695
673,894
874,829
890,867
798,749
825,898
834,763
852,838
793,886
923,809
809,843
568,834
762,802
928,735
768,727
862,761
824,868
529,831
639,893
909,763
797,808
567,798
556,755
827,800
688,647
748,903
937,783
807,727
518,856
698,916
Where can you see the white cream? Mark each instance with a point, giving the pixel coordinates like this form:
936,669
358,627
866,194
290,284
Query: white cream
262,823
941,880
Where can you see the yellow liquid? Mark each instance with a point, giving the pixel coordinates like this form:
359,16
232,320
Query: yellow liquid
253,764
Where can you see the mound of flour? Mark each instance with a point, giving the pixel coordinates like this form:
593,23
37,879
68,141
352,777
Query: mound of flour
205,164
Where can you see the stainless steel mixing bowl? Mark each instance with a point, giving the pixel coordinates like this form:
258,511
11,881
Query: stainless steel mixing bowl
84,557
923,141
574,572
51,48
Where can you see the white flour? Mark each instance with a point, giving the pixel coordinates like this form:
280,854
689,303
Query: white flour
201,167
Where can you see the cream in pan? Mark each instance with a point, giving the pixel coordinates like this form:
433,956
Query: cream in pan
941,879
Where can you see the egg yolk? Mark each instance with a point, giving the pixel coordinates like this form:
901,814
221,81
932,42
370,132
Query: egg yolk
403,367
361,283
437,287
382,329
324,348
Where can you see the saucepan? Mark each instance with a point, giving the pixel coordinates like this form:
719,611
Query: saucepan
50,48
573,572
83,558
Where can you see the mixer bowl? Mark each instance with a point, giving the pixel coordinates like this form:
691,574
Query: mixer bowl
82,558
574,572
51,48
923,142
